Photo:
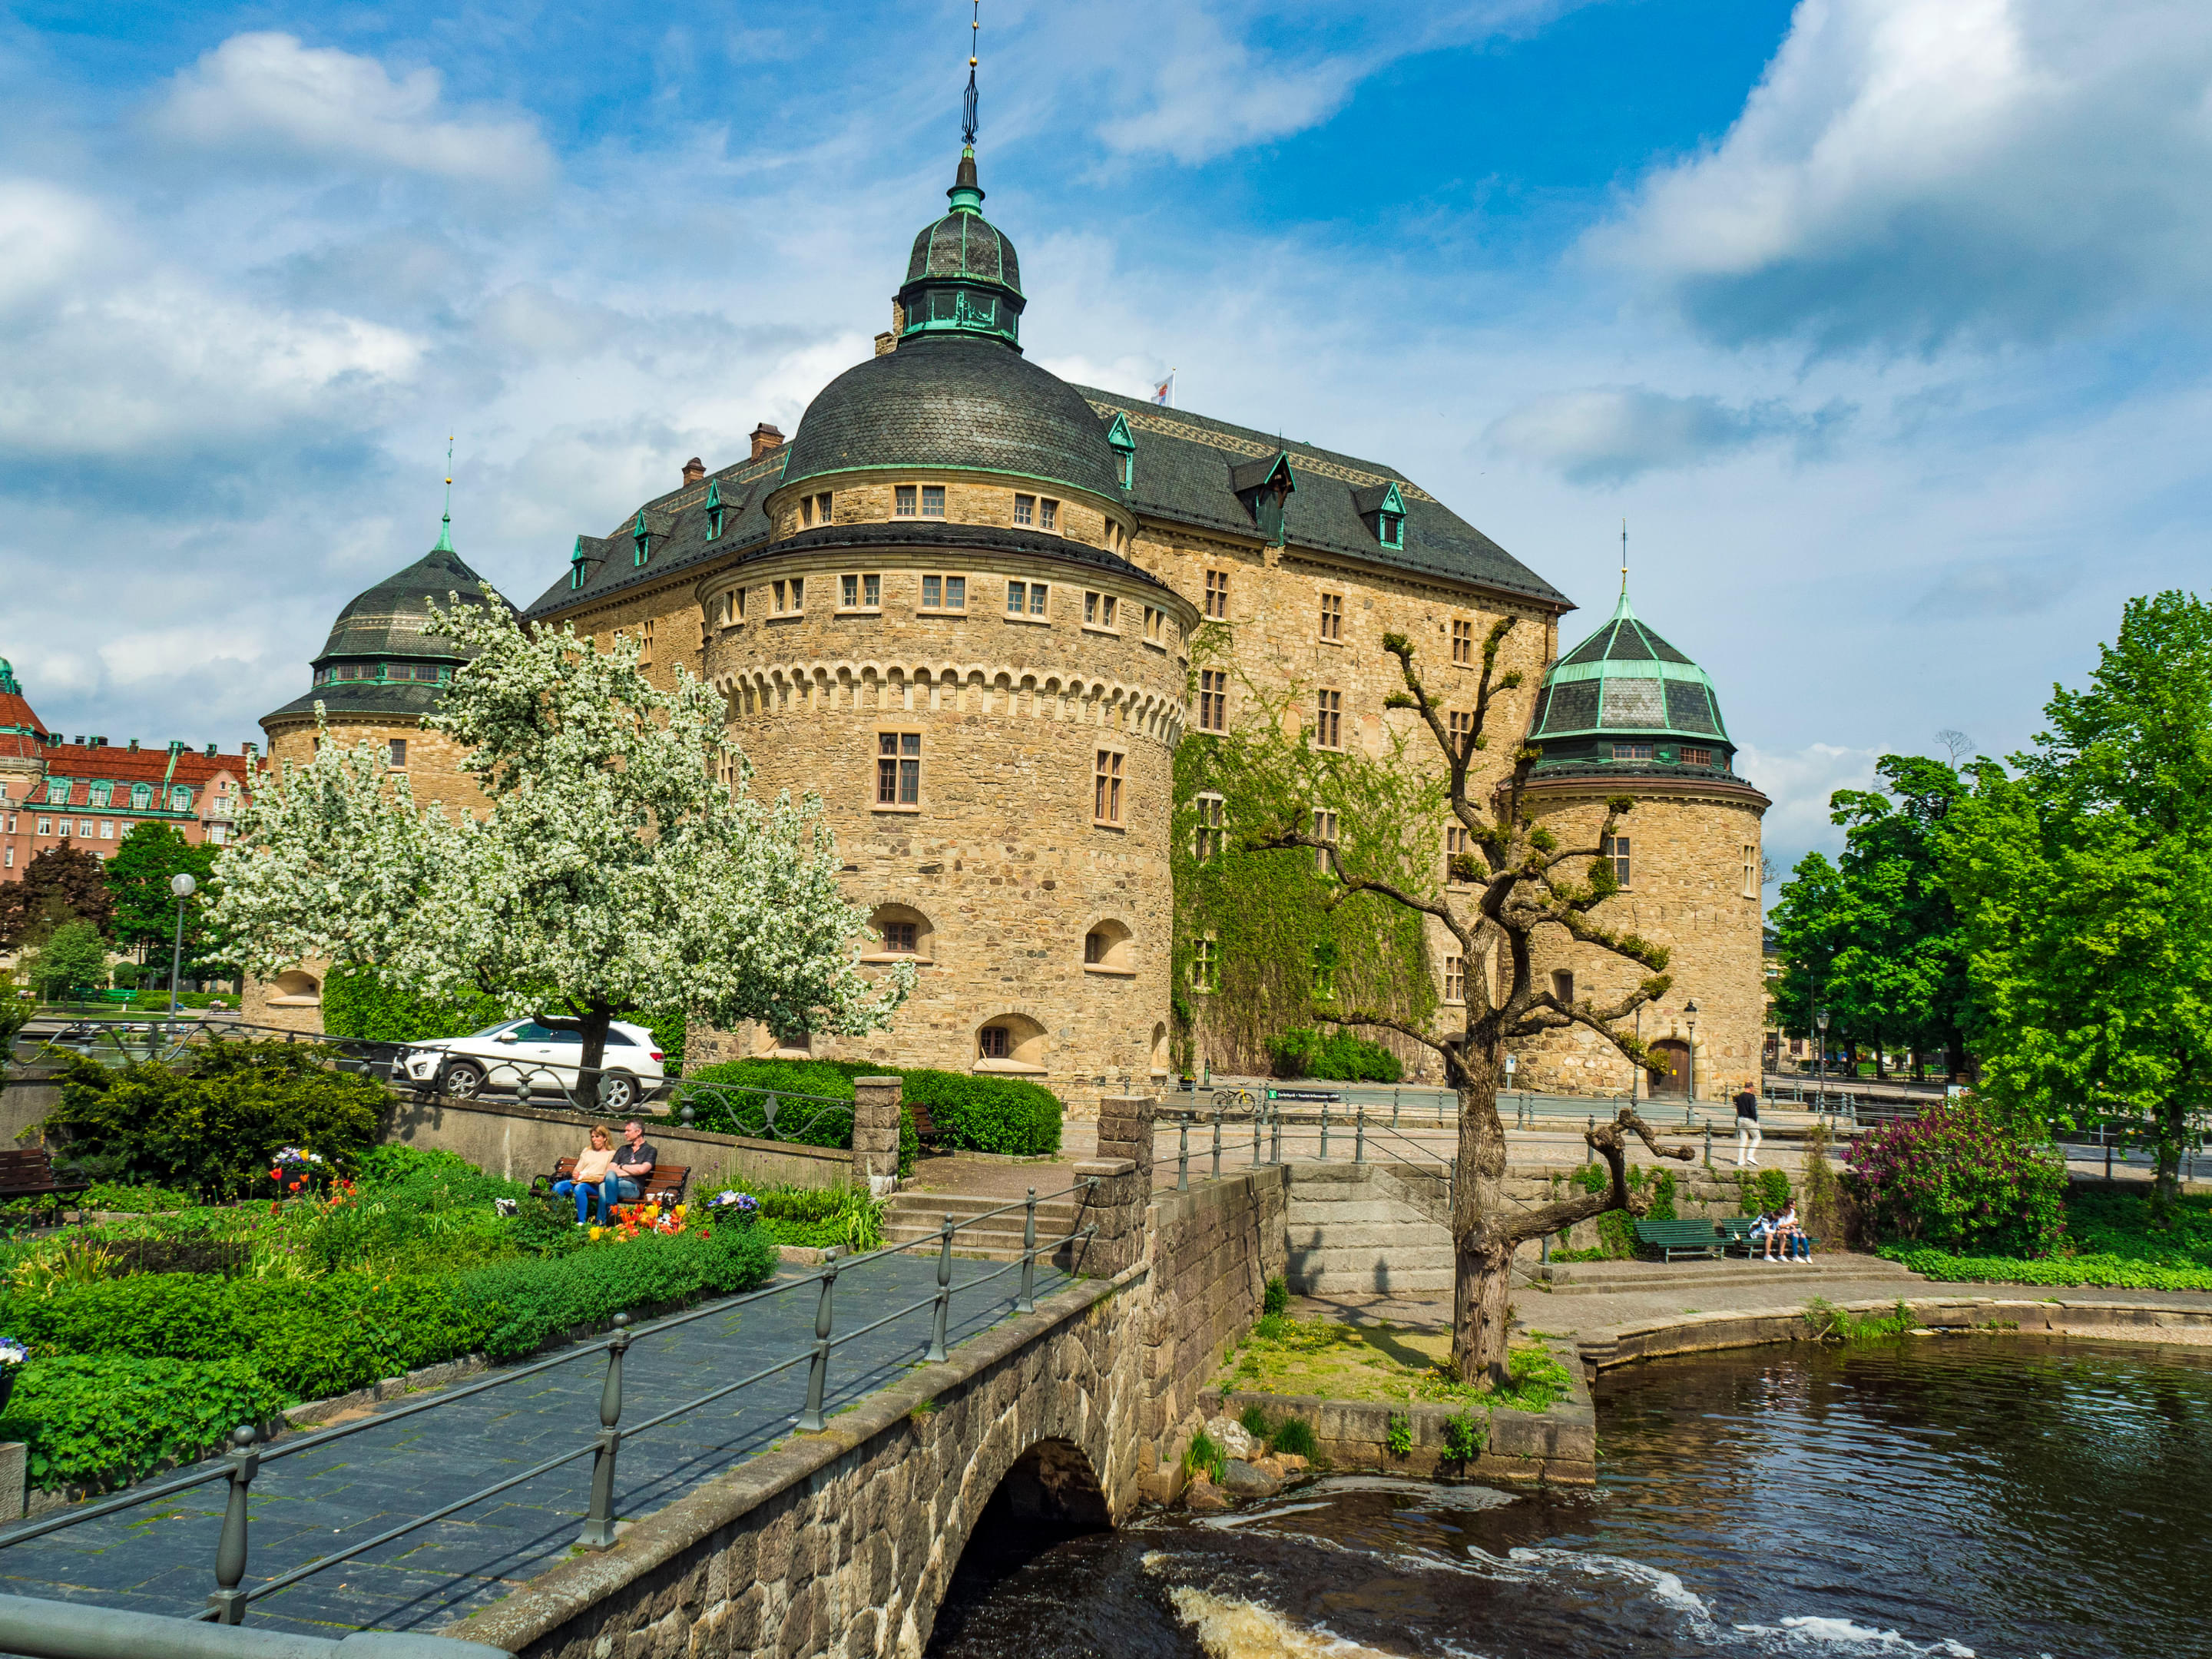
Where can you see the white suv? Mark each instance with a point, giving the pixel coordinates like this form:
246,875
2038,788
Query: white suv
505,1056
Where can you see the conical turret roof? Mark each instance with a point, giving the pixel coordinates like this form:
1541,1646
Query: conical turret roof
1625,681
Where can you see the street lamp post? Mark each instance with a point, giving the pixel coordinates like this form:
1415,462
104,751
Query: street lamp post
1690,1013
181,885
1820,1025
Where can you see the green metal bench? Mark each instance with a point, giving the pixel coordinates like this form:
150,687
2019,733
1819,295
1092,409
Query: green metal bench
1684,1238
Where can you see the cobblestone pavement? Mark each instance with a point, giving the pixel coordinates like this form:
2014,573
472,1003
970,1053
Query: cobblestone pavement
160,1557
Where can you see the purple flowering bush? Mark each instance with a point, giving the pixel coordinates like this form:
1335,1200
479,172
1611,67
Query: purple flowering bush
1961,1178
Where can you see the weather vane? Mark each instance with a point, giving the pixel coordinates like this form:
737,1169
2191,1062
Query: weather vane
446,533
968,103
1623,556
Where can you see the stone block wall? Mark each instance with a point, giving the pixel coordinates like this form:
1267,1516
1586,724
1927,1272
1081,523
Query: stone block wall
434,760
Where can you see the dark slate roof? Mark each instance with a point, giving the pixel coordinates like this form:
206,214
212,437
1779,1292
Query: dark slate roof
358,697
386,620
965,245
1187,467
954,402
989,538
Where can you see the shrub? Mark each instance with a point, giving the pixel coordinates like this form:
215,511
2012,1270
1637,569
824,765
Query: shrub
358,1003
2120,1273
1959,1178
982,1114
523,1303
1767,1191
1276,1298
1464,1433
1398,1437
989,1114
107,1419
1337,1056
214,1122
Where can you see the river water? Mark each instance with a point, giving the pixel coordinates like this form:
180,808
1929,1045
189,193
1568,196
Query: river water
1993,1496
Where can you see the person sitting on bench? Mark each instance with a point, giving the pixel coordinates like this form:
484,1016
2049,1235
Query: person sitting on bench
1762,1226
633,1167
1795,1246
592,1166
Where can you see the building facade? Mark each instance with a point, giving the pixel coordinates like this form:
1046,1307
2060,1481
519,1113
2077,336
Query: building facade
88,793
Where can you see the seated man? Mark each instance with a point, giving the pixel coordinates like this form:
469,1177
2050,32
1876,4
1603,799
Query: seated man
1795,1246
633,1167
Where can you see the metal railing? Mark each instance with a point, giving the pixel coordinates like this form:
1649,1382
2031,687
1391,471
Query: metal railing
247,1454
72,1629
741,1109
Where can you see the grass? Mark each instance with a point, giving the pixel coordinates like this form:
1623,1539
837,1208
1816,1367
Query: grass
1831,1323
1379,1362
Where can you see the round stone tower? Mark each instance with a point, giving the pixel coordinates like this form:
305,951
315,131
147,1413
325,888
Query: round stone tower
379,673
942,637
1626,713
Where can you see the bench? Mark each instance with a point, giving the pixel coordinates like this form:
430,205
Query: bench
30,1174
925,1128
1735,1233
1674,1238
664,1186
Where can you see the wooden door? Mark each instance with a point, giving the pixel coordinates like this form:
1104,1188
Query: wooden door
1675,1079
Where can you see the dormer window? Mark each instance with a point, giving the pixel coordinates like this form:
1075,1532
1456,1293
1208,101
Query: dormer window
640,536
1265,488
142,797
1384,511
102,795
1124,446
714,509
1391,529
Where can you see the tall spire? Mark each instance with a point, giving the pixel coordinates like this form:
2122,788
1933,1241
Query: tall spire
968,103
446,528
1623,558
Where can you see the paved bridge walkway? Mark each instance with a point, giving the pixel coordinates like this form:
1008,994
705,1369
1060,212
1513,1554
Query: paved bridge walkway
160,1558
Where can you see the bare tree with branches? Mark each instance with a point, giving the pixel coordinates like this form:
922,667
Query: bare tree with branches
1521,878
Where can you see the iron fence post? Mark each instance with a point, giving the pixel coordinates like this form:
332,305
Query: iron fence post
228,1600
1217,1143
1028,1304
1255,1137
1275,1135
1359,1135
1393,1108
598,1532
1324,1131
942,1315
1709,1145
1183,1155
818,1368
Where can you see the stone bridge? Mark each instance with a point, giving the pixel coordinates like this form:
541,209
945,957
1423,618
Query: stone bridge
844,1542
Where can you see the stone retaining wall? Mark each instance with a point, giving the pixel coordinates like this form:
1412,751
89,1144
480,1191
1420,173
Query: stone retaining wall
518,1142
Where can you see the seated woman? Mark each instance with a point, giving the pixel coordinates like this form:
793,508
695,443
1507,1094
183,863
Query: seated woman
1791,1233
592,1166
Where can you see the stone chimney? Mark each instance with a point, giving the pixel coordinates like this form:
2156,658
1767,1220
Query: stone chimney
766,438
886,342
694,469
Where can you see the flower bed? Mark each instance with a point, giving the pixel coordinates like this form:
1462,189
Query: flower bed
418,1261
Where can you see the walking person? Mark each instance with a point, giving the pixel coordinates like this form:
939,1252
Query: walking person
1746,1128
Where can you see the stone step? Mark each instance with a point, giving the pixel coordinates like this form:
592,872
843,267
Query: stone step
1381,1235
1618,1278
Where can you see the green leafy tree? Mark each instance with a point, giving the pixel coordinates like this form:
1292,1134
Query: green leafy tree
611,873
1520,880
58,878
145,911
2087,885
75,955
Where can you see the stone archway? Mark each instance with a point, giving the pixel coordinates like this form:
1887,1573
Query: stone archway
1049,1494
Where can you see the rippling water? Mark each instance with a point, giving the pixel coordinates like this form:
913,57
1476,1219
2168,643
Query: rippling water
1997,1496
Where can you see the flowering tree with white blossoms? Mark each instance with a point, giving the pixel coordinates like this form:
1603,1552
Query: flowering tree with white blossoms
612,872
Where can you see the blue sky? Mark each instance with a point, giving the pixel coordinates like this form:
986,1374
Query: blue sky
1882,321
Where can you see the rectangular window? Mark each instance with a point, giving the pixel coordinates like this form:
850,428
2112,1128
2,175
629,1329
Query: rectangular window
1048,515
1328,719
943,593
1155,626
180,800
1098,610
101,794
790,597
1751,872
898,768
933,500
1107,806
904,497
108,829
1024,509
10,855
1455,979
822,508
1563,986
1210,829
1462,726
997,1043
58,792
1204,965
1216,594
1391,526
1332,616
1697,757
645,643
1213,700
399,751
859,593
1324,828
1616,848
84,828
1027,598
898,938
1463,642
45,826
1457,844
1631,750
806,512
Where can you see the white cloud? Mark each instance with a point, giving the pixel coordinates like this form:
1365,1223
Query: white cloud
1910,171
267,96
1799,782
1609,434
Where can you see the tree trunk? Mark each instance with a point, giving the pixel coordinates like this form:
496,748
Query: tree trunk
1482,1288
591,1024
1954,1055
2172,1132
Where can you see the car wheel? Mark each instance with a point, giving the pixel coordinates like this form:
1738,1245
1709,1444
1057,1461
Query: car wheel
618,1092
464,1081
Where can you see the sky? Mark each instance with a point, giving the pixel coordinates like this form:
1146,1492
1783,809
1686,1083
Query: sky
1882,323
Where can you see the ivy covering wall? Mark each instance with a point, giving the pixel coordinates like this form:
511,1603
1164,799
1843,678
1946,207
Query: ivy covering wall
1276,947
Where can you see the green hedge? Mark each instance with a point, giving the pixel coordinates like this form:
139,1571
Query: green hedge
2117,1271
525,1302
1338,1057
103,1420
982,1114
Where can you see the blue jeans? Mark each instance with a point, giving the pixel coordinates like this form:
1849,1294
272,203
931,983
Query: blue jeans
586,1191
615,1190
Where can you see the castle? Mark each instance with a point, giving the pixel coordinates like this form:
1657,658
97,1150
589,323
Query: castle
978,609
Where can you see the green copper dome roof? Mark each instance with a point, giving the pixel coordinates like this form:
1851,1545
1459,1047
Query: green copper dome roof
386,620
963,276
1623,681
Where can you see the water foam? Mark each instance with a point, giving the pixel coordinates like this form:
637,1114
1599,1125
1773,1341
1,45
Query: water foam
1813,1630
1664,1587
1228,1627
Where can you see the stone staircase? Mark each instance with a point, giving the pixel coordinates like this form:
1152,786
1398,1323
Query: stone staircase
1366,1229
912,1217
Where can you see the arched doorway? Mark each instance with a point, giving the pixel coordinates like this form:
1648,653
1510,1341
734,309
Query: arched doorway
1675,1079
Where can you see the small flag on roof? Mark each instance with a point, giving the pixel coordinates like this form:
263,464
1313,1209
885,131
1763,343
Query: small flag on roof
1163,393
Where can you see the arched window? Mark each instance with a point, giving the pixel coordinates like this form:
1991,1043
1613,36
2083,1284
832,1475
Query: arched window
1108,948
1010,1043
903,934
295,988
